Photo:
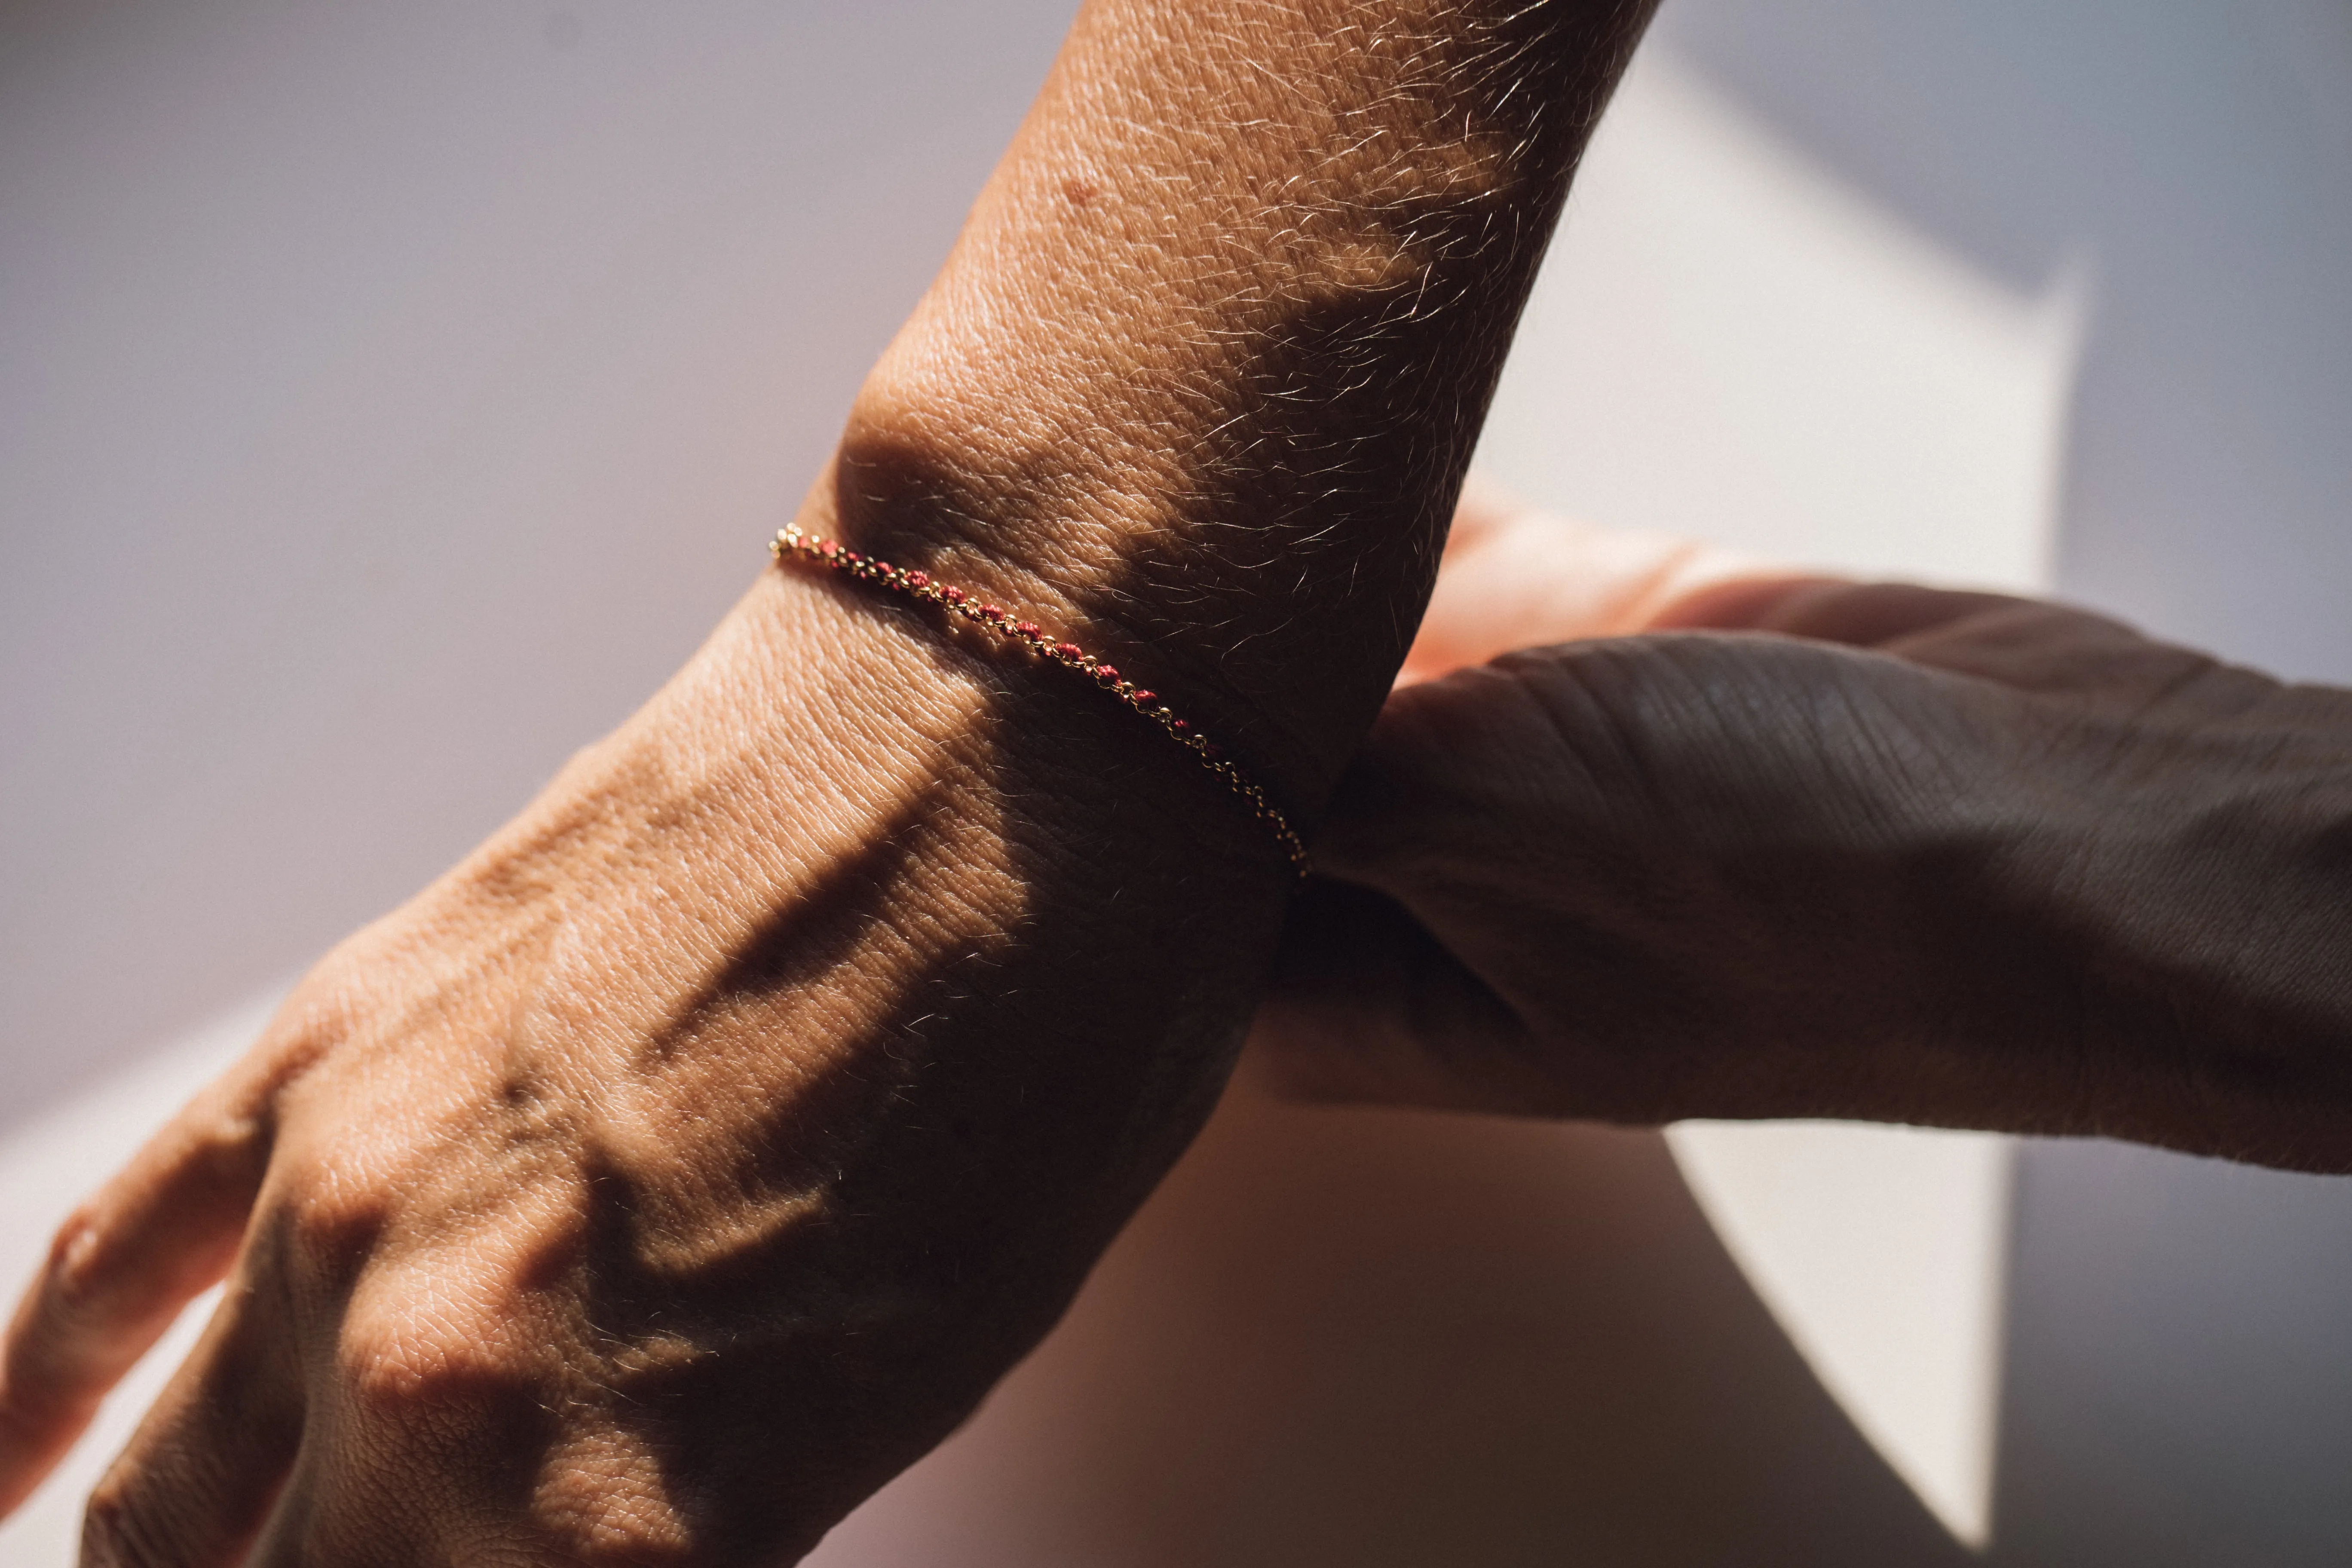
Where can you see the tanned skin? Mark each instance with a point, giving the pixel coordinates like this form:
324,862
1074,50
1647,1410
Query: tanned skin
692,1157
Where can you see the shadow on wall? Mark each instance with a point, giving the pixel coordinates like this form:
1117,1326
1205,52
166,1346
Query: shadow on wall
1361,1339
1366,1339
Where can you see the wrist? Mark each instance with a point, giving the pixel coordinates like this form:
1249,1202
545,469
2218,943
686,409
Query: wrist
1139,557
2155,944
2223,972
1197,385
838,812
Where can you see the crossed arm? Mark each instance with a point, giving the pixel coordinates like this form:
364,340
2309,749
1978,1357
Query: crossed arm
694,1155
1718,841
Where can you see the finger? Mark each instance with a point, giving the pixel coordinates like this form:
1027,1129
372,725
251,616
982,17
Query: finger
1895,616
1367,1007
1516,577
1755,602
195,1482
1871,615
119,1271
2027,644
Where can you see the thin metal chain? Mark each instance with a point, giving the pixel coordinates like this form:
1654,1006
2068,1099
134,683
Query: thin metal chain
791,544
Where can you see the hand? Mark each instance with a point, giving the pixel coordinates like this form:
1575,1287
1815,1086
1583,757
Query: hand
659,1182
1828,849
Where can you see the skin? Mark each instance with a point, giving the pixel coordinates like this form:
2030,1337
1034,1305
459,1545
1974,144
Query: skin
1755,844
691,1158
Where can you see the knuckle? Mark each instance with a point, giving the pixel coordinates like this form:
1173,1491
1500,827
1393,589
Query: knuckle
423,1359
331,1219
314,1231
78,1264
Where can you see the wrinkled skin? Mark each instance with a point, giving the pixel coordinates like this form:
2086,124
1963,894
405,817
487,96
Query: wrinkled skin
1721,843
650,1187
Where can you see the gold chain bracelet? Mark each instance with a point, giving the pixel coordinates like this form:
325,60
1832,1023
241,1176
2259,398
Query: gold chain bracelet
791,544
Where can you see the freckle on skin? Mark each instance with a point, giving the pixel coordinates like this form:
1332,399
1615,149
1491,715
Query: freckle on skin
1078,190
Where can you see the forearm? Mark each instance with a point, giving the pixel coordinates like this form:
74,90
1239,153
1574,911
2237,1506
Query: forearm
1202,376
